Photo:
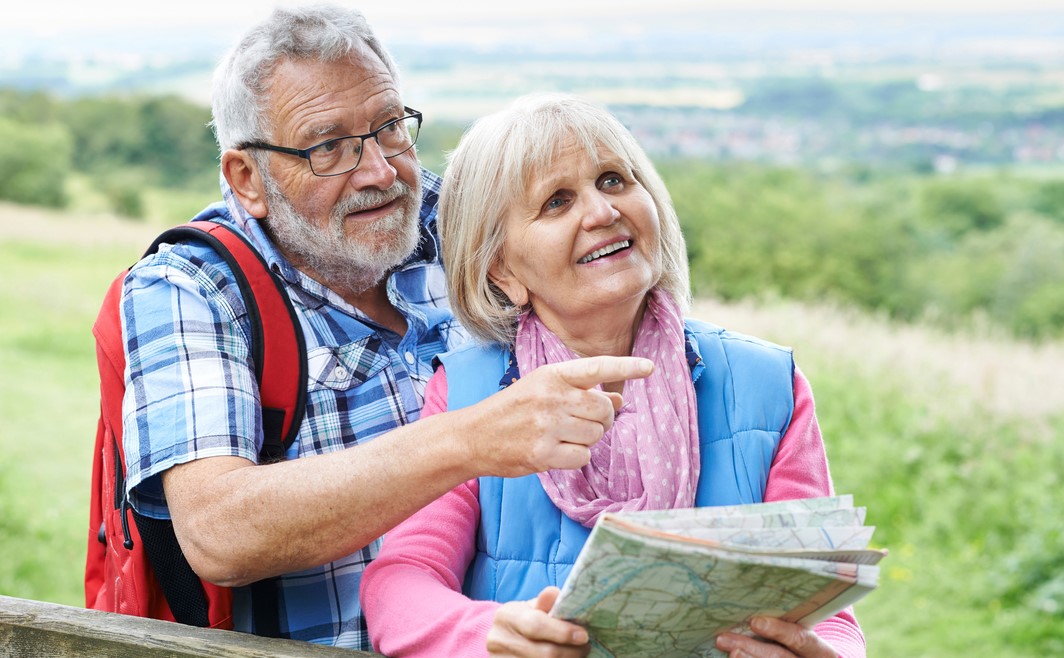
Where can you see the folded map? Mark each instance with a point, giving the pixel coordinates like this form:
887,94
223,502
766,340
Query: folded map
666,583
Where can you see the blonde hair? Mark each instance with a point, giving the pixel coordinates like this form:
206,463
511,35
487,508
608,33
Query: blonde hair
492,170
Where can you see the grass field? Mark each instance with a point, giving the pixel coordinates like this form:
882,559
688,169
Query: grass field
954,443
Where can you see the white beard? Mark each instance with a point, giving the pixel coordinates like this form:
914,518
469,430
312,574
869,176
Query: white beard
347,264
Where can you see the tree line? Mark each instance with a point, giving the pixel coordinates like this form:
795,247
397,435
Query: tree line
122,144
957,249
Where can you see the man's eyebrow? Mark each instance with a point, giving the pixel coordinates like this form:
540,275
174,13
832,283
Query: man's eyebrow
321,130
334,129
392,111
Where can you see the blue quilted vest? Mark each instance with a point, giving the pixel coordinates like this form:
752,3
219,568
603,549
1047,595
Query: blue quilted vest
744,388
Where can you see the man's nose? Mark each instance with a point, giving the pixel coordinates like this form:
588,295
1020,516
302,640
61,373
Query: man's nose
373,170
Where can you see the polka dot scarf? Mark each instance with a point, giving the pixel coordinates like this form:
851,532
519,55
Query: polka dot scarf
649,458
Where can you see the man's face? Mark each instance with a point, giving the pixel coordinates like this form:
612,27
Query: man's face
346,231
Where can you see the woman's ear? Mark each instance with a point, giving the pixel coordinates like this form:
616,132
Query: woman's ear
505,281
242,173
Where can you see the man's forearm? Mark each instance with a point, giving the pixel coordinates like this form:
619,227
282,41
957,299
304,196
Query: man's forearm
238,522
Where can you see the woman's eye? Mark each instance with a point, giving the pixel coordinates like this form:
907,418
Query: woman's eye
558,202
610,180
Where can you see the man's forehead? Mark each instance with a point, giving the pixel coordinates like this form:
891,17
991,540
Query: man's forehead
314,96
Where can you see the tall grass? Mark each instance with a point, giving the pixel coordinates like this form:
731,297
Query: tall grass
953,442
53,277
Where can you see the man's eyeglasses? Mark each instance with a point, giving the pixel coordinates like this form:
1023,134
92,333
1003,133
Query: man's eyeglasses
342,154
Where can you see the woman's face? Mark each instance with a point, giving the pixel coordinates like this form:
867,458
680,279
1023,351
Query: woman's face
587,242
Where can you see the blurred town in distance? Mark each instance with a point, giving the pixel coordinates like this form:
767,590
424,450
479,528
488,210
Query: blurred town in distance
929,91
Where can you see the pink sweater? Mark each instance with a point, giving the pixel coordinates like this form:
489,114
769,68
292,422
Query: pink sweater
411,594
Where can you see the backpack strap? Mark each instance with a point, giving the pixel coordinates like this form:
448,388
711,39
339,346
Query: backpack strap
278,350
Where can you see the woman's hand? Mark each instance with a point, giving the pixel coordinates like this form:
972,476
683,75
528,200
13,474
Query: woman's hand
787,641
523,628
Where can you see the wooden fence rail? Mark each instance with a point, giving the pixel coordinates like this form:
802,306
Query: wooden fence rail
48,630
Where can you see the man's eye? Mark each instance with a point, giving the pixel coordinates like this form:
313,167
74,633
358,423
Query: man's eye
329,147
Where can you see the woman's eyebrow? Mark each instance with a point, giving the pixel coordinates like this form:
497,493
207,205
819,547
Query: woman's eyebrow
545,185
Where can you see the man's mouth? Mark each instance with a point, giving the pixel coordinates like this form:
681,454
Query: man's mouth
605,251
373,200
371,209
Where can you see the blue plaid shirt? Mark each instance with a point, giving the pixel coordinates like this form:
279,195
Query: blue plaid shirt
191,390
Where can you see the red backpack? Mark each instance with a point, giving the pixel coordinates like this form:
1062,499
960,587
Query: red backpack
136,567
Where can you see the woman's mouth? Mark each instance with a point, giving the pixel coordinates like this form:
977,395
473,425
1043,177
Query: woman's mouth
605,251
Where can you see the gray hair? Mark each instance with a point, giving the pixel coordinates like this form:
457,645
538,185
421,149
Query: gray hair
327,33
492,170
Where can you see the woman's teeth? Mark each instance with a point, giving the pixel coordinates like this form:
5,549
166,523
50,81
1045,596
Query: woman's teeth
608,249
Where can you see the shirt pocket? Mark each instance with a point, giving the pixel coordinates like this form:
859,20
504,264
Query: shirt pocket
344,367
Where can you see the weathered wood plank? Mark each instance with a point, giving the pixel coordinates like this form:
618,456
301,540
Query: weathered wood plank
49,630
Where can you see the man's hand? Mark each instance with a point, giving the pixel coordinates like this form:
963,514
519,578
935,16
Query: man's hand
787,641
238,522
550,417
523,628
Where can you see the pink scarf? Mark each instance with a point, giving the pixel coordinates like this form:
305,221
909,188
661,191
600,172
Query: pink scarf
649,458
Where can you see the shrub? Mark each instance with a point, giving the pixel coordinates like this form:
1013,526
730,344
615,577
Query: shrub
34,161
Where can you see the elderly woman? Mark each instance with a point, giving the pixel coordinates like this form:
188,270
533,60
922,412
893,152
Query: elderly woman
561,241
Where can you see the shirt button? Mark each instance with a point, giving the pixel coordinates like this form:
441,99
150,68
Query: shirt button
340,372
410,358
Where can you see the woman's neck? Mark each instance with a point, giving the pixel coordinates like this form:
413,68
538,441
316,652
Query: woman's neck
609,332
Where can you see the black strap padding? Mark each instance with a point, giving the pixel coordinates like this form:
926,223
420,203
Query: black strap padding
273,446
180,584
265,608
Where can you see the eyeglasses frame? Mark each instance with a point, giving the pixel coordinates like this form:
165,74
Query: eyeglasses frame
305,153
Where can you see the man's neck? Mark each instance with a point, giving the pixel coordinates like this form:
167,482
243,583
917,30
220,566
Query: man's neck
372,301
375,304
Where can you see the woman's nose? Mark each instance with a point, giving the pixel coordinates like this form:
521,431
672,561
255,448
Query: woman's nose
599,211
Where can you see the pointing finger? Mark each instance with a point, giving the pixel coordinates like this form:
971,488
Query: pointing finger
592,371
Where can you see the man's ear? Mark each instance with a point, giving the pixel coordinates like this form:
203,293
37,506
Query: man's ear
242,173
504,279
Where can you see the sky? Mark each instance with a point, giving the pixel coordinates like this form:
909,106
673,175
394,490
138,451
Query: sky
50,17
181,29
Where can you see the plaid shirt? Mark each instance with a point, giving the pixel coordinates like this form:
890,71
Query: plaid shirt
191,390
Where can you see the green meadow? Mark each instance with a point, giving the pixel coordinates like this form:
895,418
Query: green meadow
954,441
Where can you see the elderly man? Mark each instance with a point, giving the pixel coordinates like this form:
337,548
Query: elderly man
321,174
